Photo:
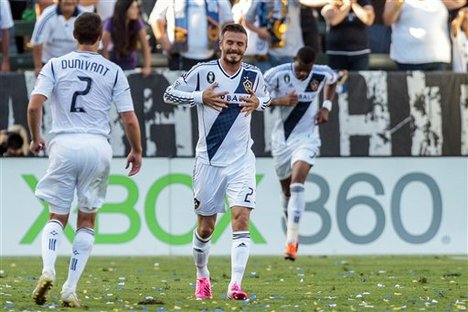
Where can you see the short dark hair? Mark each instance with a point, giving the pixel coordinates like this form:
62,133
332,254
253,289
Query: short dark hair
233,27
14,140
88,28
306,55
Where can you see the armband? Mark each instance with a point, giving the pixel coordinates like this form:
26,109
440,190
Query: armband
327,104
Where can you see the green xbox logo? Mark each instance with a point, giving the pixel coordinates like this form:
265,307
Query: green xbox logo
127,208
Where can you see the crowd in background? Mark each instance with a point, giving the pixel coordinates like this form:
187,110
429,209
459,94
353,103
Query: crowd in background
416,34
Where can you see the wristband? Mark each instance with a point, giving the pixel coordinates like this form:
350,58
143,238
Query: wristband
327,104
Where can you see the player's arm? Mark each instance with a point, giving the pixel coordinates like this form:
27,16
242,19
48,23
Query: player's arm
42,90
132,131
329,92
34,122
122,100
272,85
184,90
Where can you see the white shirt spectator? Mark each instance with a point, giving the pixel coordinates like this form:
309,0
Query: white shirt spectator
197,26
55,33
6,20
420,35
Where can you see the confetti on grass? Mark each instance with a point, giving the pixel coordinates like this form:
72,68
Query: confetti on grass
150,300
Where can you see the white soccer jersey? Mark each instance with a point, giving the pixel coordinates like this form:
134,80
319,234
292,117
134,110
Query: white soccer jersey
224,137
6,20
297,124
55,33
80,85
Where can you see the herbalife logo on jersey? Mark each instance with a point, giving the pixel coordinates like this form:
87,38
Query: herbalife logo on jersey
233,98
305,96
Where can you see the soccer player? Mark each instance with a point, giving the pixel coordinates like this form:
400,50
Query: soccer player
225,92
295,88
81,86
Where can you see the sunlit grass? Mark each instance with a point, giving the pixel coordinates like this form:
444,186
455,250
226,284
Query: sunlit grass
338,283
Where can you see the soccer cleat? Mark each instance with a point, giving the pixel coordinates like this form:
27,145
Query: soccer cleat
69,299
235,293
291,251
44,284
203,289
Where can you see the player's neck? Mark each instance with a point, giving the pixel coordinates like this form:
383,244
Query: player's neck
229,68
89,47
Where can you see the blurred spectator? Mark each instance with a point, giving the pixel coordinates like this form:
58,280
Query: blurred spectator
380,35
6,22
278,22
24,11
41,5
420,37
122,32
14,141
257,48
105,8
188,30
459,36
309,25
347,43
53,32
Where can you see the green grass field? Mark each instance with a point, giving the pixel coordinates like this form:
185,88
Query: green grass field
338,283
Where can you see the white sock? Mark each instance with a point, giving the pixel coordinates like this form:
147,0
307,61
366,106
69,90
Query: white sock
201,253
82,246
52,236
240,251
284,205
295,208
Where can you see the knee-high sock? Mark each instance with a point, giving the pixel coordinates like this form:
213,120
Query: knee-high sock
284,205
295,208
82,246
240,251
51,239
201,253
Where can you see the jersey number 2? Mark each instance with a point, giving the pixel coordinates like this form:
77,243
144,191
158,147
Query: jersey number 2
74,108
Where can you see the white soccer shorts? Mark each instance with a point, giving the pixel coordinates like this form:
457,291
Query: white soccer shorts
284,159
236,182
78,162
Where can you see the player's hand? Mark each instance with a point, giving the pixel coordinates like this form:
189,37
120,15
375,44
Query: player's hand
213,99
250,103
37,145
135,160
291,99
322,116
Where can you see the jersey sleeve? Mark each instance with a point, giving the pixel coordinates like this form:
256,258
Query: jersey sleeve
271,80
121,95
42,28
159,11
45,80
332,76
6,19
262,93
184,90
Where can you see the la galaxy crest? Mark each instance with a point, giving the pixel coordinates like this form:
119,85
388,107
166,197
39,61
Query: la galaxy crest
210,77
314,84
286,78
248,85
